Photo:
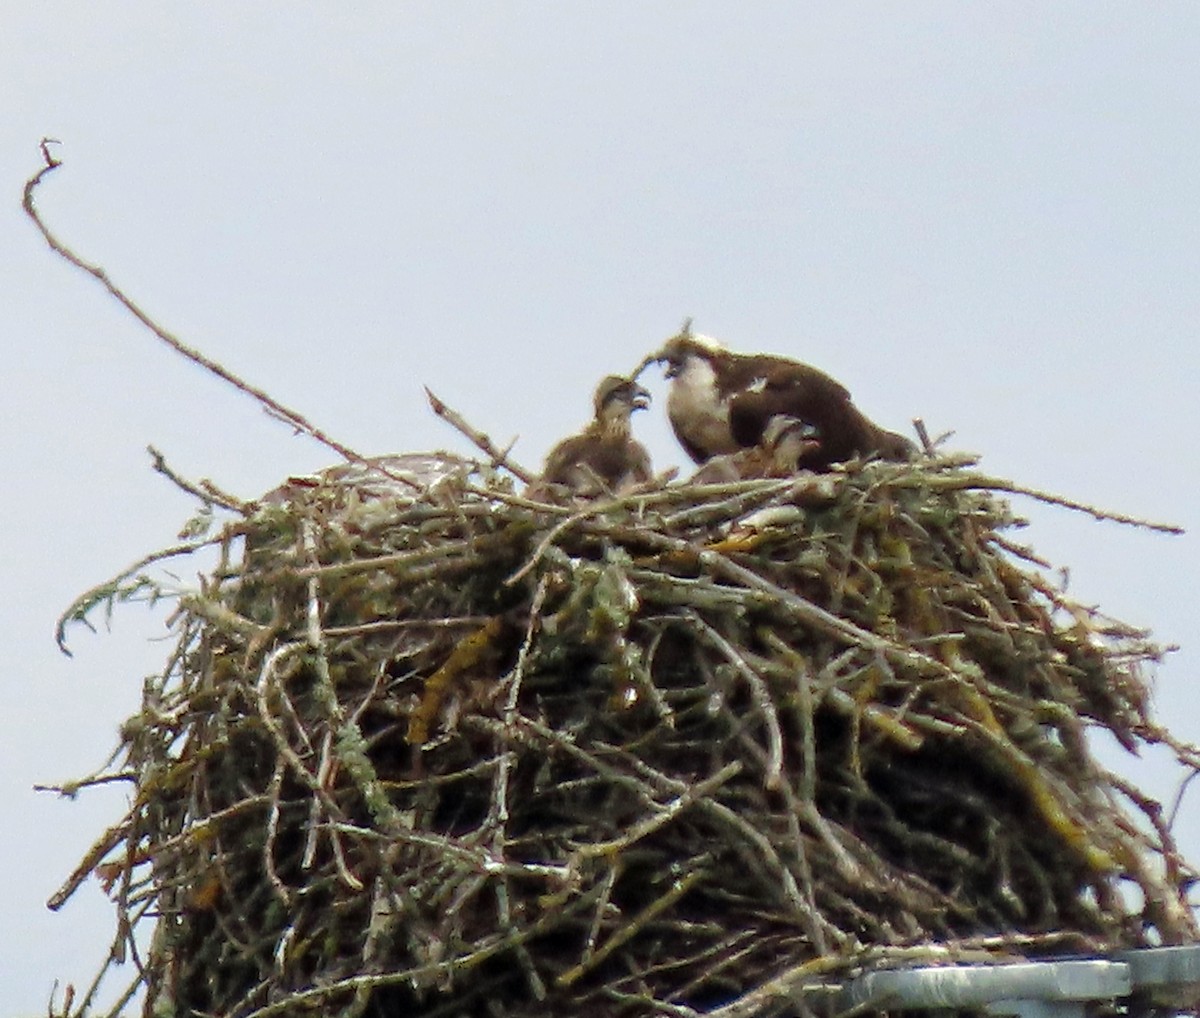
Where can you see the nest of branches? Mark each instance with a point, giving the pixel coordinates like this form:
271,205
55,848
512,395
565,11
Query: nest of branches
696,751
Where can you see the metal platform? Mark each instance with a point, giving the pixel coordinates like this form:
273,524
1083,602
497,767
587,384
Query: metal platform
1043,989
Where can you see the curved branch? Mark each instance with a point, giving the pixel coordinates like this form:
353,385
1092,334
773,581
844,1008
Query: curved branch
272,406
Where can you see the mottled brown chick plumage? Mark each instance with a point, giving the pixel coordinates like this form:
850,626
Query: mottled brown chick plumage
604,458
786,445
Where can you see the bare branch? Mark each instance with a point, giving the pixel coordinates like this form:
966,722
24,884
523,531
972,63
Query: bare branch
498,457
272,406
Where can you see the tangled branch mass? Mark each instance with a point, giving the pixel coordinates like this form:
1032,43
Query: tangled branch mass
696,750
428,746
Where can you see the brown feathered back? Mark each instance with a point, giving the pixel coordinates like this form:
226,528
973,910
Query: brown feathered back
842,429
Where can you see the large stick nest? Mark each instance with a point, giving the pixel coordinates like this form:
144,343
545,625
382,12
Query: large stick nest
693,751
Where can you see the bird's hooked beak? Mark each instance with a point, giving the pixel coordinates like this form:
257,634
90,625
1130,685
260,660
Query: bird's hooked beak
639,398
677,350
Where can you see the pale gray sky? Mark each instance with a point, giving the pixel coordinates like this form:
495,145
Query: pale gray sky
988,215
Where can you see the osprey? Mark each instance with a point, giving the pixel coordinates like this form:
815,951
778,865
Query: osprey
604,458
787,443
722,401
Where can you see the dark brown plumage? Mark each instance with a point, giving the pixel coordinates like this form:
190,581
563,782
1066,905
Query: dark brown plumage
722,401
604,458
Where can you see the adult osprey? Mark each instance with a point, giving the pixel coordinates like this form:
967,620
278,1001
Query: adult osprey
604,458
720,402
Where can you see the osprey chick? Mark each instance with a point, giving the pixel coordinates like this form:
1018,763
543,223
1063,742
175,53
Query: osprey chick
787,444
604,458
721,401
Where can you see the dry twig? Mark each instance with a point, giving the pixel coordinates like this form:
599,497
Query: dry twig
585,761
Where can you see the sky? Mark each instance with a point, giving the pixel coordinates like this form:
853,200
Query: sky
985,215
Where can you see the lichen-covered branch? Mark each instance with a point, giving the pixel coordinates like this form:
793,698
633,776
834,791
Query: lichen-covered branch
691,752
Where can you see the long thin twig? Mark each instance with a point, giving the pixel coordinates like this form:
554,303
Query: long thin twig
206,491
981,482
498,457
117,587
291,417
759,694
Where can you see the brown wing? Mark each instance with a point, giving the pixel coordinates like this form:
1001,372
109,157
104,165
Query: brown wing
803,392
795,391
755,371
638,458
577,461
562,462
893,446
